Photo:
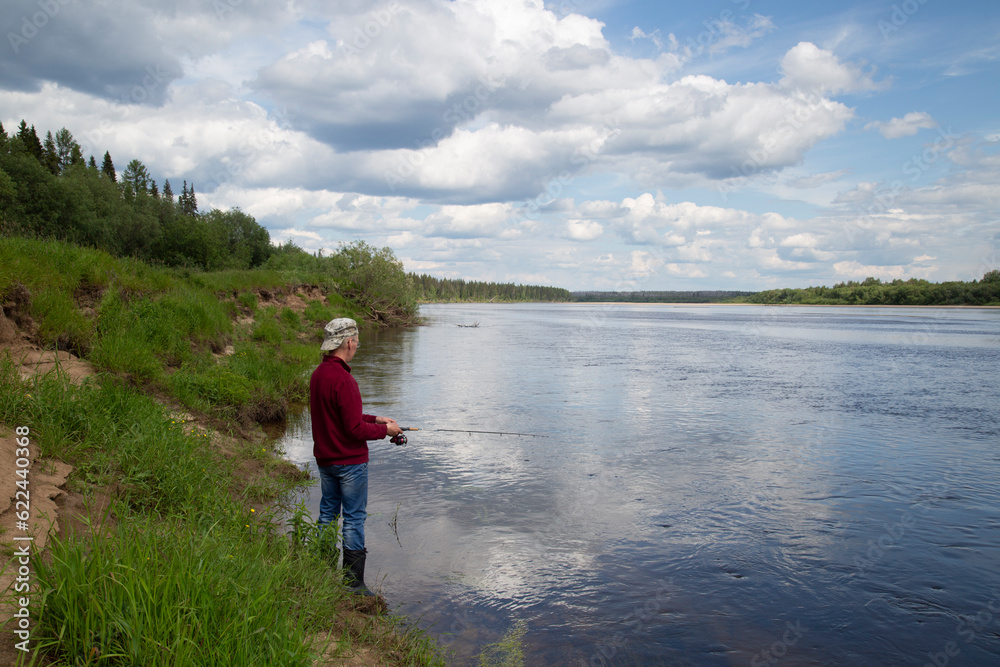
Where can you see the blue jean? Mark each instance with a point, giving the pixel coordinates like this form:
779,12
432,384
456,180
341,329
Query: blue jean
345,490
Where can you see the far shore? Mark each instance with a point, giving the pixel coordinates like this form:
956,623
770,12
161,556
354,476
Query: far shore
786,305
702,303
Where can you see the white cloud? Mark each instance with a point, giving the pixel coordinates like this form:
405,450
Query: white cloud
906,126
583,230
855,271
815,71
476,134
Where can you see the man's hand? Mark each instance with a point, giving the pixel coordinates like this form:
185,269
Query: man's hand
392,428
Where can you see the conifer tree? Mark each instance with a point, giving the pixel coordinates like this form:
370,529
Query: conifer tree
168,193
187,202
50,155
137,176
29,139
108,168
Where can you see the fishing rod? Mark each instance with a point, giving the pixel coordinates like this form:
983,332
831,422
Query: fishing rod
401,439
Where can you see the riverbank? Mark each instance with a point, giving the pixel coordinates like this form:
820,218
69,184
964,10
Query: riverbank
165,543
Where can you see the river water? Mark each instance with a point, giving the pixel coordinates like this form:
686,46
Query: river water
717,485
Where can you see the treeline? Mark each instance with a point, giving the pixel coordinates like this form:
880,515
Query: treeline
49,190
874,292
428,288
700,296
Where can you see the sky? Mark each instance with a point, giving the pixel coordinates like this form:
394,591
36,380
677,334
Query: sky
584,144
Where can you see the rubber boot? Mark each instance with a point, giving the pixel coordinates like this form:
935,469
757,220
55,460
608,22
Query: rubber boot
354,571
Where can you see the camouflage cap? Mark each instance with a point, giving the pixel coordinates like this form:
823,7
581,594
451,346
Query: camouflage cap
337,331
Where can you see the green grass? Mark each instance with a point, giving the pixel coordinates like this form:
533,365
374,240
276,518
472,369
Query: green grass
188,573
509,651
183,592
248,300
185,573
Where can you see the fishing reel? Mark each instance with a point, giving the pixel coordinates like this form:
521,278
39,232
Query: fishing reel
399,439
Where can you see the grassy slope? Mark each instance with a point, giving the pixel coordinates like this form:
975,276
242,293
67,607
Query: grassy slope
188,564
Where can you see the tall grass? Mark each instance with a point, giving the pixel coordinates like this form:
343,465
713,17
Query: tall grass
114,436
161,593
186,573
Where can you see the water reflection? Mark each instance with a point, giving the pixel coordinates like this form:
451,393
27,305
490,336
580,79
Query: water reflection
714,478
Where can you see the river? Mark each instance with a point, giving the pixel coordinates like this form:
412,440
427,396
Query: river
703,485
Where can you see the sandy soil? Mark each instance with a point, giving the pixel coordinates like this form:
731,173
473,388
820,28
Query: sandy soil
41,490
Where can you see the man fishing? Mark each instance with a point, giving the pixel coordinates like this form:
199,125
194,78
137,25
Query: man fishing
340,434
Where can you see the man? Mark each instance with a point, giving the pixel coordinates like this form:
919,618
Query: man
340,434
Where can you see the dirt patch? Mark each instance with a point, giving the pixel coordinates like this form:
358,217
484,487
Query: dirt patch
31,361
41,490
297,298
88,297
32,494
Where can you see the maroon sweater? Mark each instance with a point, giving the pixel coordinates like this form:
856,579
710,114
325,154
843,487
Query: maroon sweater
340,429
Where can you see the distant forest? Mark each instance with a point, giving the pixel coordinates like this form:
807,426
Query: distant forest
869,292
874,292
431,289
700,296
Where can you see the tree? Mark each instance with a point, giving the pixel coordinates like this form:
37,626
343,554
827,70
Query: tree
108,167
991,276
137,177
188,202
8,200
376,281
244,243
29,139
168,193
50,154
67,150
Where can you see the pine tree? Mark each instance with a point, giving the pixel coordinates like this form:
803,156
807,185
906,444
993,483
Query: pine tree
50,155
3,133
153,190
108,168
29,139
137,176
93,163
187,202
168,193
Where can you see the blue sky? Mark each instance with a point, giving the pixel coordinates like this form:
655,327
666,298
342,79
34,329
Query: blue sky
588,144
